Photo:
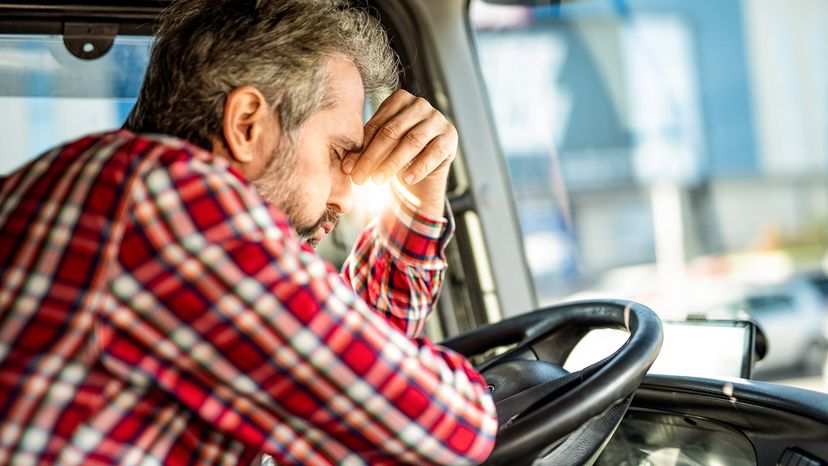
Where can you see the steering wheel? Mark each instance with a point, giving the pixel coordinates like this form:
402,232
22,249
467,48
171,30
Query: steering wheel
544,410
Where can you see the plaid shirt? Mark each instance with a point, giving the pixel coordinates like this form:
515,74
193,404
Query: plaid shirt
155,310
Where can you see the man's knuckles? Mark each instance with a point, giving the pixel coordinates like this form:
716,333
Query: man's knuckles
391,130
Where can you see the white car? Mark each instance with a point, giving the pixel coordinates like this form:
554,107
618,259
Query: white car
791,316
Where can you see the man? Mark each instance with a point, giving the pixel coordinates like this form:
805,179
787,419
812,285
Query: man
159,303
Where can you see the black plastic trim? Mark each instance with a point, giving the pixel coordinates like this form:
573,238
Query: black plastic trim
132,17
774,417
805,403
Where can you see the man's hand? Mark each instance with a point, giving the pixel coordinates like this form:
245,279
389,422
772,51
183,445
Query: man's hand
409,139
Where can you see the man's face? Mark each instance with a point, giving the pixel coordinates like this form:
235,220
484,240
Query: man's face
304,178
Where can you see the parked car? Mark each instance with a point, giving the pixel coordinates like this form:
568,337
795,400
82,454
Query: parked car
820,281
793,320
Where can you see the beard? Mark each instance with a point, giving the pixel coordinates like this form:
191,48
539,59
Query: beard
279,186
305,233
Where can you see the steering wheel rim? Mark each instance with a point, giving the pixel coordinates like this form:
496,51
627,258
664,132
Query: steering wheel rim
614,381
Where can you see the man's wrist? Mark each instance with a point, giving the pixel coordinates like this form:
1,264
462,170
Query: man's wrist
427,197
414,236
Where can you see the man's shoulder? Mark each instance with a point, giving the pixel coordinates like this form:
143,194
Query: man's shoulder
107,171
106,164
141,148
207,184
123,153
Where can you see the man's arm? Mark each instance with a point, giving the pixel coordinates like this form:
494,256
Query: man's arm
398,263
220,306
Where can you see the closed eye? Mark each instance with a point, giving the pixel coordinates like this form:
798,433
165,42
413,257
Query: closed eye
336,156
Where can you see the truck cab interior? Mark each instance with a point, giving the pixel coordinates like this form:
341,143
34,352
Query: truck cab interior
632,167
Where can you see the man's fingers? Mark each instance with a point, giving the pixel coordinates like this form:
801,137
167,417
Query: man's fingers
386,138
411,144
405,137
349,162
387,109
439,151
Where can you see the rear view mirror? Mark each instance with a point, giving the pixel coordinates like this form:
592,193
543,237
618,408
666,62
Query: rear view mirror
709,348
697,347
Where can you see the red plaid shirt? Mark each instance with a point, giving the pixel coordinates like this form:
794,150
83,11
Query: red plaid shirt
155,310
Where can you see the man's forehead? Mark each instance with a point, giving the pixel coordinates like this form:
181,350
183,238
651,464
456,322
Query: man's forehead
345,125
347,99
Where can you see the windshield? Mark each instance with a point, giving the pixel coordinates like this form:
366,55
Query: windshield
671,152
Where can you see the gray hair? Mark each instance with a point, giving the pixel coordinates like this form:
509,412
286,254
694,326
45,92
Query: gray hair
206,48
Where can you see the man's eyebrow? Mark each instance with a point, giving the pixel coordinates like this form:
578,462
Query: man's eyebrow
348,144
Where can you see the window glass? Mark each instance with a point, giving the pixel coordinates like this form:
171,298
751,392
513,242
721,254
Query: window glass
666,151
48,96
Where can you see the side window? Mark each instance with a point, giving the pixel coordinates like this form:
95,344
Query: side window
48,96
670,152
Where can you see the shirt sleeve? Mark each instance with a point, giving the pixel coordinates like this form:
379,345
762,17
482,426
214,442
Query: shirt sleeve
398,263
218,304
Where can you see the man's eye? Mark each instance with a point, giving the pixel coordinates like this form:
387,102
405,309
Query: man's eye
336,156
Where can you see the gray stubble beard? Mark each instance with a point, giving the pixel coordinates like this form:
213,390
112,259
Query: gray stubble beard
279,186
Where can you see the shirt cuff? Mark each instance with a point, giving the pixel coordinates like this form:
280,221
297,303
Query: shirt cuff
415,237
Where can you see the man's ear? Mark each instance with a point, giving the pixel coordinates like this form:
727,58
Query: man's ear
251,129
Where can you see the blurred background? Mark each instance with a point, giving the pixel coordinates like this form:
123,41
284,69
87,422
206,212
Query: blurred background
674,153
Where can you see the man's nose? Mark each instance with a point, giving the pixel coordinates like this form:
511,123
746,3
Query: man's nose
342,193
